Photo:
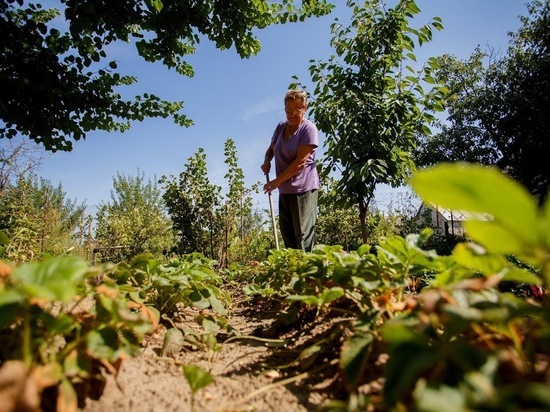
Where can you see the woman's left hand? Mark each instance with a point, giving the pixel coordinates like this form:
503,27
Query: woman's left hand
270,187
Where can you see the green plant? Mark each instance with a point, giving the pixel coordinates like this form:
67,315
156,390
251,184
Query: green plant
458,337
61,332
370,101
197,379
465,340
4,241
173,286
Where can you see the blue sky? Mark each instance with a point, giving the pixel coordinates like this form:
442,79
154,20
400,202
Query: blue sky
242,99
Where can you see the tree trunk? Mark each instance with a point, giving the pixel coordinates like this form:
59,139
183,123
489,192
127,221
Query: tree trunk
362,219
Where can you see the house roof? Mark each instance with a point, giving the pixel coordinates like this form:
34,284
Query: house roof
458,215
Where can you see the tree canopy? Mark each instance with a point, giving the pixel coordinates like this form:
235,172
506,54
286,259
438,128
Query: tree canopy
500,114
134,221
369,100
39,219
58,82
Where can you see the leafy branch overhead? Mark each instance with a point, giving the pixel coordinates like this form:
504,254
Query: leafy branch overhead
59,84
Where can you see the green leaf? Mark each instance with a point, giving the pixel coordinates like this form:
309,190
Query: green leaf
9,297
103,343
216,304
67,399
331,294
363,250
211,326
8,314
353,358
396,333
197,377
173,342
404,366
157,5
4,239
76,364
479,189
476,257
522,276
495,237
53,279
546,222
307,299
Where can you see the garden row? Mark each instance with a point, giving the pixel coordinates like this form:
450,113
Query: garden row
415,330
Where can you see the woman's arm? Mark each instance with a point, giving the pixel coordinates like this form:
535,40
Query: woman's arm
294,168
269,153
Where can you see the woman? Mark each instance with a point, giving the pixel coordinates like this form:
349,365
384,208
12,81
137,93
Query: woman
293,146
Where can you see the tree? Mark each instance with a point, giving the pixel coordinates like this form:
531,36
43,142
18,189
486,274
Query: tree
134,221
193,205
371,103
18,159
38,219
59,84
501,114
461,136
238,205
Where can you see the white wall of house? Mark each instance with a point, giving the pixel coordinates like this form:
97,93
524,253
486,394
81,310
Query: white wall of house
449,221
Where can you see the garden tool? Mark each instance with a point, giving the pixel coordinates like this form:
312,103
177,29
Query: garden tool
272,215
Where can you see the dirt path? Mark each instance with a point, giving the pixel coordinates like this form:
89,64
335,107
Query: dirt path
246,372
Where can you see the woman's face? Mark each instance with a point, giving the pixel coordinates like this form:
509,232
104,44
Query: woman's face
295,111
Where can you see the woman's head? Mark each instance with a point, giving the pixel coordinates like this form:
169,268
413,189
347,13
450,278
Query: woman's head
295,106
296,95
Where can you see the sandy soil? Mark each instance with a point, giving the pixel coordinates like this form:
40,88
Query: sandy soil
248,373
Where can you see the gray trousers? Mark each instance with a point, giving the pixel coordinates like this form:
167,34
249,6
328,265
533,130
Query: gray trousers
297,219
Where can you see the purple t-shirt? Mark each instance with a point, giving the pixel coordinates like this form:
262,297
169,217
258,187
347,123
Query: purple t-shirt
285,153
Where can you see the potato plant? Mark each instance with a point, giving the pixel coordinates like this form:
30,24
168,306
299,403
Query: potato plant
60,334
64,325
430,332
186,281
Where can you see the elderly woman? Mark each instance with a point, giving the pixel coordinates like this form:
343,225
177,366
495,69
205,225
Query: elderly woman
293,146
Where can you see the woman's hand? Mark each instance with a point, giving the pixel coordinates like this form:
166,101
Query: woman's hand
270,186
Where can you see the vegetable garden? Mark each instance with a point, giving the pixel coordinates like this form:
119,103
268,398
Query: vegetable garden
390,326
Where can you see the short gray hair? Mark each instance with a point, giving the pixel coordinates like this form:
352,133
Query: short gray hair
295,94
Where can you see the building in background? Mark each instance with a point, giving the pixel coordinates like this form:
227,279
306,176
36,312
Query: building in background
446,221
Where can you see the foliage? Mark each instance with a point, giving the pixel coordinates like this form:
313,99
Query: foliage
134,221
237,210
499,114
189,281
339,224
58,331
64,325
193,206
197,379
370,102
406,216
39,219
230,231
4,241
518,227
336,224
257,240
59,82
408,347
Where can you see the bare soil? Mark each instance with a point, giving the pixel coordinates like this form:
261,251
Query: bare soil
249,374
